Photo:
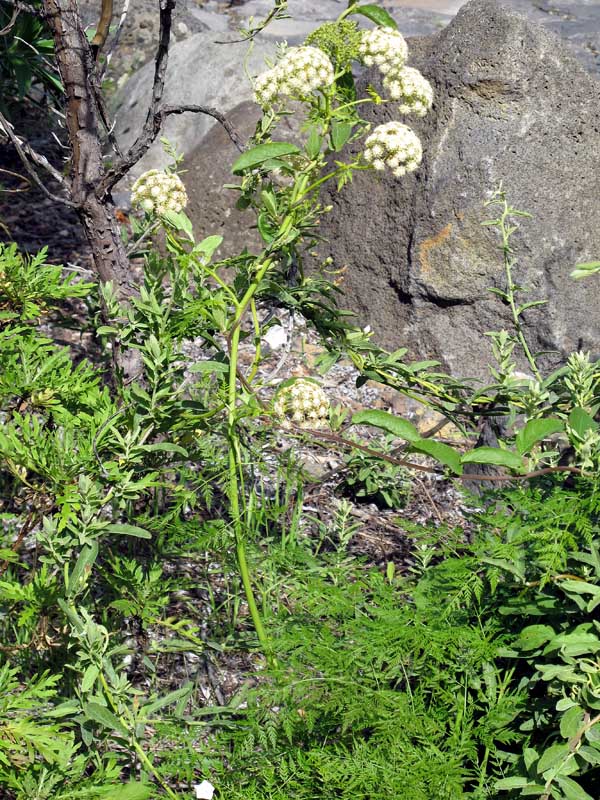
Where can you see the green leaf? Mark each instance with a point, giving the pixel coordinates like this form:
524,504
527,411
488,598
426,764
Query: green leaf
441,452
180,221
511,783
83,565
571,721
535,431
583,270
340,133
576,643
129,530
591,755
103,716
163,447
572,790
552,757
313,142
208,246
89,677
493,455
534,636
133,791
377,15
397,426
168,699
581,422
264,152
210,366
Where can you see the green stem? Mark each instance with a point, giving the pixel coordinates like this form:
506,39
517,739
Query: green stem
235,460
508,264
137,746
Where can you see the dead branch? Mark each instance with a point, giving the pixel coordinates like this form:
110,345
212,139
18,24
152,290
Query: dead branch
28,155
142,144
7,28
26,7
115,39
102,28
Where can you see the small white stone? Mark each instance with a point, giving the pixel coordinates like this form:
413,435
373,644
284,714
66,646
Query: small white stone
204,790
275,337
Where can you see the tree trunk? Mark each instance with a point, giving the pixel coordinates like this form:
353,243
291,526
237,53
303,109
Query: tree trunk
77,70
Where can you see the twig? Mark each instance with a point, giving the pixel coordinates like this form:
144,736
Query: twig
16,546
13,19
115,41
278,12
27,154
27,7
148,136
332,437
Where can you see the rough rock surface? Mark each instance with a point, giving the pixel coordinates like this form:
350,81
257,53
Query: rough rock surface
512,105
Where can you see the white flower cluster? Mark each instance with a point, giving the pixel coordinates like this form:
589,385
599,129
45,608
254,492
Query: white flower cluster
395,146
304,403
383,48
301,71
158,192
408,87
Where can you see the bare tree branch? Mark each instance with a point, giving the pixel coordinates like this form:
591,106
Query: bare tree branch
13,19
115,39
28,155
142,145
27,7
102,28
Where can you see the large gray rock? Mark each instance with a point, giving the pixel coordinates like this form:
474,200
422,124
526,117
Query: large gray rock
512,106
201,71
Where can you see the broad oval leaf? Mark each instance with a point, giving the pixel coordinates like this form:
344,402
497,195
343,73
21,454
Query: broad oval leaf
264,152
581,422
441,452
377,15
399,427
495,456
535,431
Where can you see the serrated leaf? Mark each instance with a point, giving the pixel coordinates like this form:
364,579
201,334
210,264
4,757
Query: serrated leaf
103,716
493,455
313,142
262,153
377,15
129,530
441,452
134,791
397,426
535,431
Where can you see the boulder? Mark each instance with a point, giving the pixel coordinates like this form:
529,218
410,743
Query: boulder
512,107
201,71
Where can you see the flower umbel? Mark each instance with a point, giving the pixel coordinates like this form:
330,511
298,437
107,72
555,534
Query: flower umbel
158,192
301,71
303,403
384,48
408,87
395,146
